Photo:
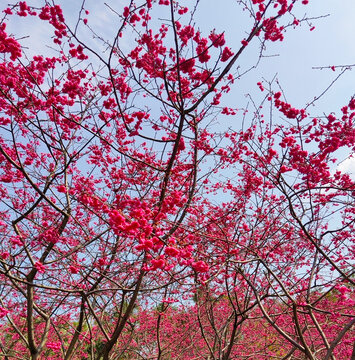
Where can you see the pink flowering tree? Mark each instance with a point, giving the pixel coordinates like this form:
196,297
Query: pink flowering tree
132,226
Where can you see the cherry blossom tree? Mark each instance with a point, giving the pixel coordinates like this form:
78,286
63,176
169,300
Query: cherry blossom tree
135,226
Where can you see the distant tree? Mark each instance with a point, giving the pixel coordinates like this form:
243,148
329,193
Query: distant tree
133,226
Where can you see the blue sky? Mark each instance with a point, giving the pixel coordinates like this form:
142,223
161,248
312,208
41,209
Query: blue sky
291,61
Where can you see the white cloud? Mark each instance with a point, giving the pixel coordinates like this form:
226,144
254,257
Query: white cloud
348,166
